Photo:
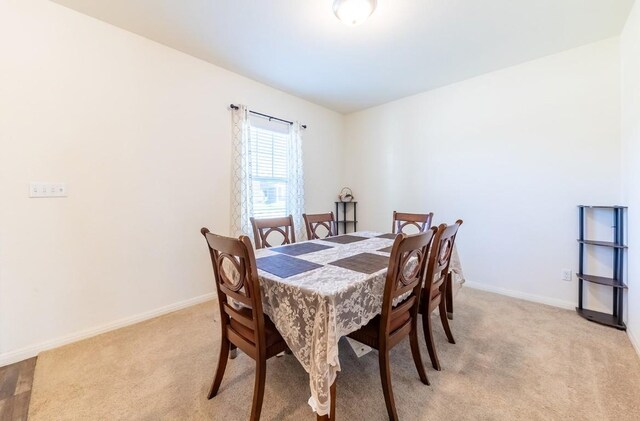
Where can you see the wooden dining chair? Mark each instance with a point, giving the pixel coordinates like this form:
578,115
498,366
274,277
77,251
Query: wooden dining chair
324,220
248,328
405,275
434,291
263,227
401,220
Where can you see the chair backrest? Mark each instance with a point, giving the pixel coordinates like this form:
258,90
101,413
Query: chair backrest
263,227
405,275
401,220
236,277
439,260
324,220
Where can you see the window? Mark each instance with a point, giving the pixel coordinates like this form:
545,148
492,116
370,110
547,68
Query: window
267,179
269,170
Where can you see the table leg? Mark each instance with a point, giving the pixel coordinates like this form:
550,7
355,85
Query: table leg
332,411
344,216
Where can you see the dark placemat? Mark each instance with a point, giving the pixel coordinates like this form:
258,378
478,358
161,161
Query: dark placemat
363,262
285,266
389,236
386,249
344,239
300,248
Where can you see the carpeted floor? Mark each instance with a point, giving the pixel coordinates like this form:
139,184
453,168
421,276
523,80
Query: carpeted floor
513,360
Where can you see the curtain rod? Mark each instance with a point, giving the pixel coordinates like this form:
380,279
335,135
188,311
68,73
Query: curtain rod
270,117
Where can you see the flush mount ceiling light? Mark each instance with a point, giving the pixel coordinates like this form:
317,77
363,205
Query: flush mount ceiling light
354,12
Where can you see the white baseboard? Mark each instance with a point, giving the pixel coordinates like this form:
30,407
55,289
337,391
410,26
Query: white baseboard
555,302
33,350
634,341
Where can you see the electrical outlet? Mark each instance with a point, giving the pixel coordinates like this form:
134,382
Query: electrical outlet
566,275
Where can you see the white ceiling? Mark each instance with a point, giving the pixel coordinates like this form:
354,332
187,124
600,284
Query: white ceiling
406,46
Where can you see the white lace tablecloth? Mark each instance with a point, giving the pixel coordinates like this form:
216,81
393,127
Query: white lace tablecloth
314,309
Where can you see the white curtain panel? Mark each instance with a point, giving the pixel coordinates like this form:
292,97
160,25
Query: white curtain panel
295,188
241,177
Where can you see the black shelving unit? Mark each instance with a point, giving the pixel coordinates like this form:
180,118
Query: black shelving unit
344,222
617,280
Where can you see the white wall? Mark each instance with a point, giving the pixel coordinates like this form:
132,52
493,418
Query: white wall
630,54
512,153
141,134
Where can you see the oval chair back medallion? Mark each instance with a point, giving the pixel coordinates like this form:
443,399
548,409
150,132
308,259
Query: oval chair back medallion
323,221
418,221
262,228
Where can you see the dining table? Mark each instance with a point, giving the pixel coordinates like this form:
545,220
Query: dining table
318,291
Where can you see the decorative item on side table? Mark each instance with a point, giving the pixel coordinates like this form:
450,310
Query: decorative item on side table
617,280
345,197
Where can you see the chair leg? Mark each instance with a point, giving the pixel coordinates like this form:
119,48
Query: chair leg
258,389
222,365
445,322
417,358
449,295
385,377
428,337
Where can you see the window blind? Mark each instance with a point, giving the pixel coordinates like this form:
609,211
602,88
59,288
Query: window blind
269,167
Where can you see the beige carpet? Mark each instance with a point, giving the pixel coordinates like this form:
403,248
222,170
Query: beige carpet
513,360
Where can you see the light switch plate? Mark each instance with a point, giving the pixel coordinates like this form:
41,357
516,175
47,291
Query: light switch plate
38,190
